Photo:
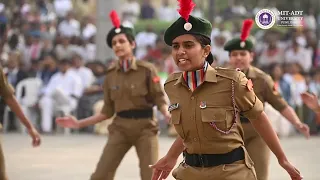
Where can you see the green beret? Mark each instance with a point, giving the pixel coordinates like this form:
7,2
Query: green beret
122,30
195,25
237,44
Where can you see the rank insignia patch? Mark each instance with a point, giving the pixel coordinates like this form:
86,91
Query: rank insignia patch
173,107
250,85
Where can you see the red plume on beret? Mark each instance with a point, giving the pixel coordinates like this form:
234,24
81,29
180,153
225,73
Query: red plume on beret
115,19
246,27
186,6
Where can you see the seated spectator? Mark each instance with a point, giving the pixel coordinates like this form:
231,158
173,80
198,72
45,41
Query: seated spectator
297,53
65,49
90,49
83,72
130,11
13,71
63,91
314,88
69,26
281,84
155,53
147,11
273,54
92,94
298,86
48,69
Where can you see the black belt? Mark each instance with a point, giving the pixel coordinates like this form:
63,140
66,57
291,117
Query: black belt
210,160
136,113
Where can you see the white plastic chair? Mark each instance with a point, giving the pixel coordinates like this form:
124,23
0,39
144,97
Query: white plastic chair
31,88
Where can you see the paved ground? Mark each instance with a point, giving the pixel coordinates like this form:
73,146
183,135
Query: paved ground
74,158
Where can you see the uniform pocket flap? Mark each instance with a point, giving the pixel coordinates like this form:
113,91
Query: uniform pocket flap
213,114
175,116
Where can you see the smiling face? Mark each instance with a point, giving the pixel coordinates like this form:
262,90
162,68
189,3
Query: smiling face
122,46
188,53
241,59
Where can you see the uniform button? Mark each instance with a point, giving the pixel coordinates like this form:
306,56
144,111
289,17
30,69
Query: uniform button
195,139
192,97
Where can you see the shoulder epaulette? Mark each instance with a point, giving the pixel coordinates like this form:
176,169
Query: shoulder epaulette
173,77
262,75
111,67
145,64
228,73
259,71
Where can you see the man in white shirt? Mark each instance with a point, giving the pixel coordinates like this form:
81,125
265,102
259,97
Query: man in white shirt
144,39
218,50
86,75
89,28
297,53
70,26
166,12
61,94
130,11
62,7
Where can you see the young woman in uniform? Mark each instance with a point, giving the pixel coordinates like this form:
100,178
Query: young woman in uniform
241,57
7,94
205,107
131,89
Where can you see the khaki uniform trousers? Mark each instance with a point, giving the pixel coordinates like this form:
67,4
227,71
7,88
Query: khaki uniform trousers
123,134
3,175
258,151
239,170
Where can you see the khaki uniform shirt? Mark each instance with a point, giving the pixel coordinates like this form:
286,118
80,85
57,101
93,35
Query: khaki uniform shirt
6,89
139,88
264,88
223,94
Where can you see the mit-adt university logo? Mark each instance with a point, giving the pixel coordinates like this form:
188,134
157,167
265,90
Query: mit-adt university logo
265,19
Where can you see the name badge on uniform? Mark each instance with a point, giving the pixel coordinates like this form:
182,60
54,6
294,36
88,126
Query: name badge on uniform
173,107
203,104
